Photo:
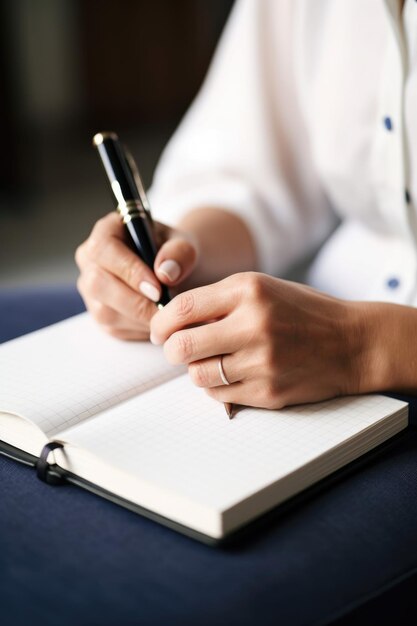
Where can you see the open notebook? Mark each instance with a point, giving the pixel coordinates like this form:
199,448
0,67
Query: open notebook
135,427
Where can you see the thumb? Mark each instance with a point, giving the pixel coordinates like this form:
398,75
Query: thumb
175,260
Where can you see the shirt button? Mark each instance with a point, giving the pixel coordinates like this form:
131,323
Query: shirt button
388,123
393,283
407,196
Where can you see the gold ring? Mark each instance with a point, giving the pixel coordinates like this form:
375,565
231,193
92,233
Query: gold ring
221,371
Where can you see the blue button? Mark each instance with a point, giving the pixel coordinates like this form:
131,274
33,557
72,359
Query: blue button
393,283
388,123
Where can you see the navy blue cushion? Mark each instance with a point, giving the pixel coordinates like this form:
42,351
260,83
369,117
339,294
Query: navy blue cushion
68,557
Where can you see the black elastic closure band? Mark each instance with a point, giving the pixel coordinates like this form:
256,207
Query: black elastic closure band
44,470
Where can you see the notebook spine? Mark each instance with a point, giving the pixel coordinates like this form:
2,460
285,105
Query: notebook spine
50,474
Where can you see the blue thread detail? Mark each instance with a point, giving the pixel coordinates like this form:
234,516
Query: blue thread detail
393,283
388,123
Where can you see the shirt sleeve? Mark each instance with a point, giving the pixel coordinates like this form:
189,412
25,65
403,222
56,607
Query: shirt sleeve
243,146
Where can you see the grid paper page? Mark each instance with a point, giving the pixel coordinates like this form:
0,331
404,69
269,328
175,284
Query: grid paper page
70,371
180,439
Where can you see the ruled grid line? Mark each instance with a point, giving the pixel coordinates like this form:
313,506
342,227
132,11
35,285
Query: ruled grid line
64,374
178,438
160,427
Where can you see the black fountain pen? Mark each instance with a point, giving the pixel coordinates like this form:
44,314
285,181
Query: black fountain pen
132,203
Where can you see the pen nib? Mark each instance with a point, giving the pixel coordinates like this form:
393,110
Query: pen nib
229,409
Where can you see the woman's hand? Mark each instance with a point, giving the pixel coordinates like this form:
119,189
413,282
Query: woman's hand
118,289
283,343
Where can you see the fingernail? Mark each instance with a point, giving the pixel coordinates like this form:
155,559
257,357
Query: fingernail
149,290
170,269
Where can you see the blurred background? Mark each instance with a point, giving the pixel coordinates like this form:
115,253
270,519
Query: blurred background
69,68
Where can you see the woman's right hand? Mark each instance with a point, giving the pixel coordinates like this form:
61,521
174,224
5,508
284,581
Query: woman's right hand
118,289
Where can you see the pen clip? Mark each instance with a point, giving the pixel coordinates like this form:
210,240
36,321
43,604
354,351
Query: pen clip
138,181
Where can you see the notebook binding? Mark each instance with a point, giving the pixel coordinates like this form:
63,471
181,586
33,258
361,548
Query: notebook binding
50,474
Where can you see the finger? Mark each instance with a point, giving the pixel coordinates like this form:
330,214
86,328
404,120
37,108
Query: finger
238,393
255,393
108,226
98,284
109,317
122,328
194,306
175,260
235,393
202,342
106,247
126,335
206,373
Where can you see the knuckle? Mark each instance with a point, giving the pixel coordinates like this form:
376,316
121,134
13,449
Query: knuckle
94,280
275,404
184,304
185,250
130,271
102,231
213,392
270,358
94,245
183,346
79,255
141,309
104,315
199,374
114,332
102,225
266,324
273,398
234,282
254,286
263,328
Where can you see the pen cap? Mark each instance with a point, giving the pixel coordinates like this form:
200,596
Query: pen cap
116,166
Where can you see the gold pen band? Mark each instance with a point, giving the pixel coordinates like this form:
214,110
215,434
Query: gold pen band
130,209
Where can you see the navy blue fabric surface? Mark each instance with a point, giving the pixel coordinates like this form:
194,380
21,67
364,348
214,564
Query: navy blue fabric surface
27,309
71,558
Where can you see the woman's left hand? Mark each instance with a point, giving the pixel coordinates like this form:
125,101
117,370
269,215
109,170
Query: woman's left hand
282,343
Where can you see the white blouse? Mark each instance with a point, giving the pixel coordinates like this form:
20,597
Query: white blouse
306,126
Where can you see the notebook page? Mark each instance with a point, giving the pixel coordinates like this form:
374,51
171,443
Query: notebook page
63,374
178,438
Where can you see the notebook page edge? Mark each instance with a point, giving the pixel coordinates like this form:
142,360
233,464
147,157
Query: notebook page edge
241,512
155,498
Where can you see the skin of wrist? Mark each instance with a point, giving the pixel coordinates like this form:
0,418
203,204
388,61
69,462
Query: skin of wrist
224,242
371,363
357,341
393,333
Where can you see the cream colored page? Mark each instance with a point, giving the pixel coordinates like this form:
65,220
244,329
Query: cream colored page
180,439
70,371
